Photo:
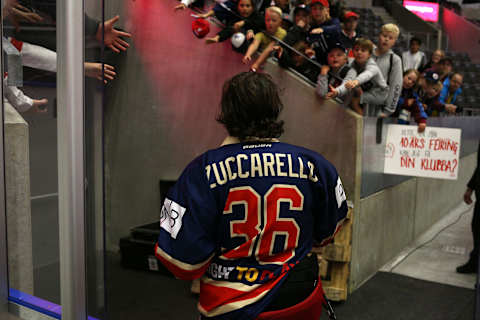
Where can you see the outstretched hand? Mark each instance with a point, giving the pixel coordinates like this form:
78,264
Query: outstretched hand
324,70
316,31
450,108
351,84
113,37
421,127
332,94
94,70
18,13
38,105
279,50
238,25
212,40
181,6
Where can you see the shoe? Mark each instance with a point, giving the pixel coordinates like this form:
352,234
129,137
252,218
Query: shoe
468,267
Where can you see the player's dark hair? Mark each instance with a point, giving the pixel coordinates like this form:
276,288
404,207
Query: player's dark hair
250,106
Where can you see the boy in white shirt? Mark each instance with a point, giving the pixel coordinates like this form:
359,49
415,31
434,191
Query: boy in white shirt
414,58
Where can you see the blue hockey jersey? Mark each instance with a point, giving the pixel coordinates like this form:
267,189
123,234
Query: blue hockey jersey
242,216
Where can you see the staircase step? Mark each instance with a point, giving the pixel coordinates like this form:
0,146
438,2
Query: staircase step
358,3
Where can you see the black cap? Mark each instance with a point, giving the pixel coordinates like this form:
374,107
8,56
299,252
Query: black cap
432,76
301,7
336,45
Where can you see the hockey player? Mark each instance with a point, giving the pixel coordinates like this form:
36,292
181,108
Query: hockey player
244,216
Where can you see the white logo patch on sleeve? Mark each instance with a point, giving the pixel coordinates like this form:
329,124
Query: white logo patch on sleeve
340,193
171,217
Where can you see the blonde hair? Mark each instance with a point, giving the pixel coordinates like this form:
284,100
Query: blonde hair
326,15
442,53
408,71
390,27
274,9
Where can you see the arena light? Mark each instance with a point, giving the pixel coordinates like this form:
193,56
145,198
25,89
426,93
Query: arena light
428,11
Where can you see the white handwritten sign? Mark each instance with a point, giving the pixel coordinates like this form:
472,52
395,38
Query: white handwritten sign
433,153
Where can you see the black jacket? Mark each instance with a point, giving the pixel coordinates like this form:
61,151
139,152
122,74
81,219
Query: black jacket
474,182
255,22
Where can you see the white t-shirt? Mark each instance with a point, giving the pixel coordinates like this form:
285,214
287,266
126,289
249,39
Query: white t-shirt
413,61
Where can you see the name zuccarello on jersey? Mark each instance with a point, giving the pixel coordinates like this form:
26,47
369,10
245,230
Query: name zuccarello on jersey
243,166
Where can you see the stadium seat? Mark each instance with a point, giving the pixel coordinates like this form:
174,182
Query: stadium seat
468,65
469,76
457,64
461,101
471,102
377,23
463,56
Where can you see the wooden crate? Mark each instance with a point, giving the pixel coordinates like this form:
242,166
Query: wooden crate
334,262
335,284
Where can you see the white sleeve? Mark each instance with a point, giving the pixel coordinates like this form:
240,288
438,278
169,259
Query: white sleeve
371,70
38,57
423,60
17,98
322,85
187,2
342,90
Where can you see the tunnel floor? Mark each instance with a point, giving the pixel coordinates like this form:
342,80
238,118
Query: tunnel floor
420,283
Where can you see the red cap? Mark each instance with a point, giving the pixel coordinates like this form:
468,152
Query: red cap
322,2
350,14
200,27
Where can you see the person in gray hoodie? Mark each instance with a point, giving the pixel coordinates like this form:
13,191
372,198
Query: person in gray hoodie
391,66
368,85
333,75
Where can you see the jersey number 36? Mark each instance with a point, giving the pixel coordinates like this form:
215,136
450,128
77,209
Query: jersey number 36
274,225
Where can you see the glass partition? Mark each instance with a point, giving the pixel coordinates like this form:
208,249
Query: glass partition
39,132
31,168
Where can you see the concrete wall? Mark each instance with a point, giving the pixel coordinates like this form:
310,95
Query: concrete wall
463,35
388,221
17,180
358,3
435,197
